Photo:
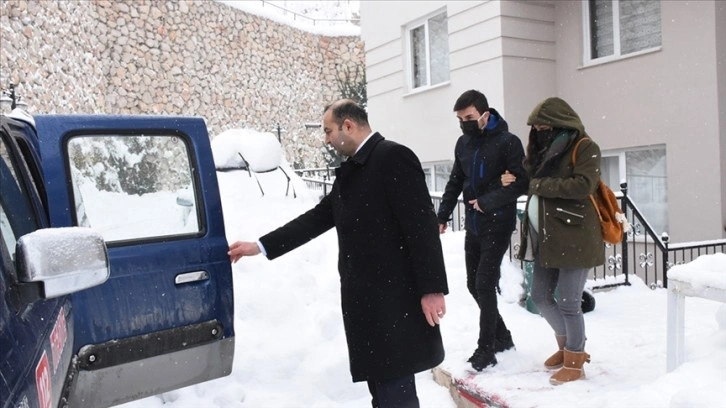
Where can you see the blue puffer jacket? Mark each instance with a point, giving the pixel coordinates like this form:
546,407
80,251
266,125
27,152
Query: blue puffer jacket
478,164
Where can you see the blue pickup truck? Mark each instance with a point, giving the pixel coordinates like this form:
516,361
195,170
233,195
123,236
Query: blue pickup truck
115,282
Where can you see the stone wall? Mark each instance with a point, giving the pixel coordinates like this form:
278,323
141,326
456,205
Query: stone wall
202,58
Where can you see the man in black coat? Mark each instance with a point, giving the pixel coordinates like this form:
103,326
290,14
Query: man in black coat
483,154
390,260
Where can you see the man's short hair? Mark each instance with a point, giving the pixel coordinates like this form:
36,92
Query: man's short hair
347,109
474,98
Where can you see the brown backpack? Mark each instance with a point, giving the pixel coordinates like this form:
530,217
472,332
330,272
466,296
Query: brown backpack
612,220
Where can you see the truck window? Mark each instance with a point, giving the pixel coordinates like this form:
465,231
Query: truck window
131,187
16,211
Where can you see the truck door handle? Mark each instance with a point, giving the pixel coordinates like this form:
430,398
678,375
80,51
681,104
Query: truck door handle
191,277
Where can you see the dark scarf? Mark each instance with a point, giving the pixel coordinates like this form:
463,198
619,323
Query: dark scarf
547,159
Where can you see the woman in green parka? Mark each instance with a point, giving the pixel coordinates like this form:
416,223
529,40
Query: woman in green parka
561,230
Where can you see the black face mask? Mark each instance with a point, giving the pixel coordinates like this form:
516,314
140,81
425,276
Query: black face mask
543,138
470,127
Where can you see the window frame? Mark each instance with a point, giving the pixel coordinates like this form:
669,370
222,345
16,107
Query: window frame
409,58
26,187
617,55
433,174
620,154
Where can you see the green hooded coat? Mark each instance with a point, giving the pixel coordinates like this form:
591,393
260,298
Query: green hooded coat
569,227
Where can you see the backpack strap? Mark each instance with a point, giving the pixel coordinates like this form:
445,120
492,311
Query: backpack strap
574,158
594,203
574,149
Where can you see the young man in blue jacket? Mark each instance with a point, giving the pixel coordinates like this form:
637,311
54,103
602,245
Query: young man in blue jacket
485,152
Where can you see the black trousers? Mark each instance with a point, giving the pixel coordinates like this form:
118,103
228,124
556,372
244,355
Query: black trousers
396,393
483,255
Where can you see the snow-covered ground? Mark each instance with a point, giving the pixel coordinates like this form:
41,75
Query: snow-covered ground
291,350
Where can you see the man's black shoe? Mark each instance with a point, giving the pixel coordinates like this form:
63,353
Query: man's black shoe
503,345
482,359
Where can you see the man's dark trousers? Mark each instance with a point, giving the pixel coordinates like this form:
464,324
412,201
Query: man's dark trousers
484,253
396,393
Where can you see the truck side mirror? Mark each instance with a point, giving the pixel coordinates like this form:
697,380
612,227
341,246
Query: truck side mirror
62,260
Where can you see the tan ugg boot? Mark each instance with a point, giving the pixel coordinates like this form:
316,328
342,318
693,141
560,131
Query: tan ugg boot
555,361
572,367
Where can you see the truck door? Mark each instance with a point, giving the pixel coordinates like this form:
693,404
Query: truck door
164,318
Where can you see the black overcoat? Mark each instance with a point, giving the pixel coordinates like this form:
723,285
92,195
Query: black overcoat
389,257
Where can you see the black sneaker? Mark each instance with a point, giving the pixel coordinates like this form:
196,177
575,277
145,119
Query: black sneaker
476,353
482,359
503,345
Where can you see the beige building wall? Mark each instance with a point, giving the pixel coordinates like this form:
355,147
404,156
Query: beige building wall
666,97
529,54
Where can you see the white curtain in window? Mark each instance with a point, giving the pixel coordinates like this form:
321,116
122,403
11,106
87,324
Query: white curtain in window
639,22
601,28
429,182
443,171
439,39
639,25
647,185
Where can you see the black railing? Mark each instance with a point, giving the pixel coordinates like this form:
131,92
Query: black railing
649,256
642,252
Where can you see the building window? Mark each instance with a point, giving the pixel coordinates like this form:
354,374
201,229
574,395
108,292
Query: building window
615,28
429,181
428,56
437,175
645,172
442,173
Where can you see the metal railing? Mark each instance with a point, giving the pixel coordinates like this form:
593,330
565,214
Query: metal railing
646,254
321,186
317,173
642,252
296,15
318,179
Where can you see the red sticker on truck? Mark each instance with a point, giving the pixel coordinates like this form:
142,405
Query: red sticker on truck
58,338
42,382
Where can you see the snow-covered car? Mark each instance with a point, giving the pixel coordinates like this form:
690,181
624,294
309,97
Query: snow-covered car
251,158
